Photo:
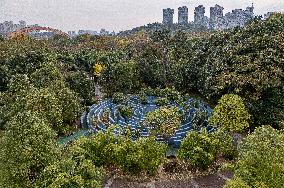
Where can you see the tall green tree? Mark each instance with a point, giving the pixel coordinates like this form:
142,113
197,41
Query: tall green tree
27,147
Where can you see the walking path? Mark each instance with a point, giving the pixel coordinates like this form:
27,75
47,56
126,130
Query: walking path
209,181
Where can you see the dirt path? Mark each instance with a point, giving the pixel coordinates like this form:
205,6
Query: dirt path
210,181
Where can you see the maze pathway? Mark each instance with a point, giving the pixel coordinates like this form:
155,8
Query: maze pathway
140,110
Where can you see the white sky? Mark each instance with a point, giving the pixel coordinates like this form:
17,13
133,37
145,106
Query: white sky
113,14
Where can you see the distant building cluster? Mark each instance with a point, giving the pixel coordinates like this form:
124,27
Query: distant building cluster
8,26
217,20
102,32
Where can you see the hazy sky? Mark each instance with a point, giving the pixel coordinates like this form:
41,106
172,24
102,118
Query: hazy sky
112,14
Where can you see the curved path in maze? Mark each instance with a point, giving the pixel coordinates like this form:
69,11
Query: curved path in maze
96,112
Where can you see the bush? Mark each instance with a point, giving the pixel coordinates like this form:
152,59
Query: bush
201,148
150,92
170,93
162,101
125,111
143,155
101,148
231,114
225,144
104,149
163,121
72,173
200,119
105,116
261,159
198,148
236,183
144,100
119,98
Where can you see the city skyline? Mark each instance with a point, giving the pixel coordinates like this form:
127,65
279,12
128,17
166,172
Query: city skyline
114,14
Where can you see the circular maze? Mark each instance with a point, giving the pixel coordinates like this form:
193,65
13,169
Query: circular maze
189,109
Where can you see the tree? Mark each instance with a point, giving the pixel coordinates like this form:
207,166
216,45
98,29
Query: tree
26,62
46,104
4,78
161,38
50,80
27,147
81,84
261,159
12,101
121,77
269,110
231,114
69,103
47,76
68,172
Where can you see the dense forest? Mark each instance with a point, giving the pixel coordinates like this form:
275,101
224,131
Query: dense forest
46,86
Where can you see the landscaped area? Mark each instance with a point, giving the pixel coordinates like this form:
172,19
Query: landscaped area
131,114
150,109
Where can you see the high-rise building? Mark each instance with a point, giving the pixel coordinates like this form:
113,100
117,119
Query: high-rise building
199,16
216,17
216,12
183,15
168,16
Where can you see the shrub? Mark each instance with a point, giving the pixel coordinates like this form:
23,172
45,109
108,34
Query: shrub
149,91
162,101
169,93
100,148
261,159
163,121
72,173
119,98
143,155
231,114
103,149
198,148
125,111
201,148
105,116
200,119
225,144
236,183
143,97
